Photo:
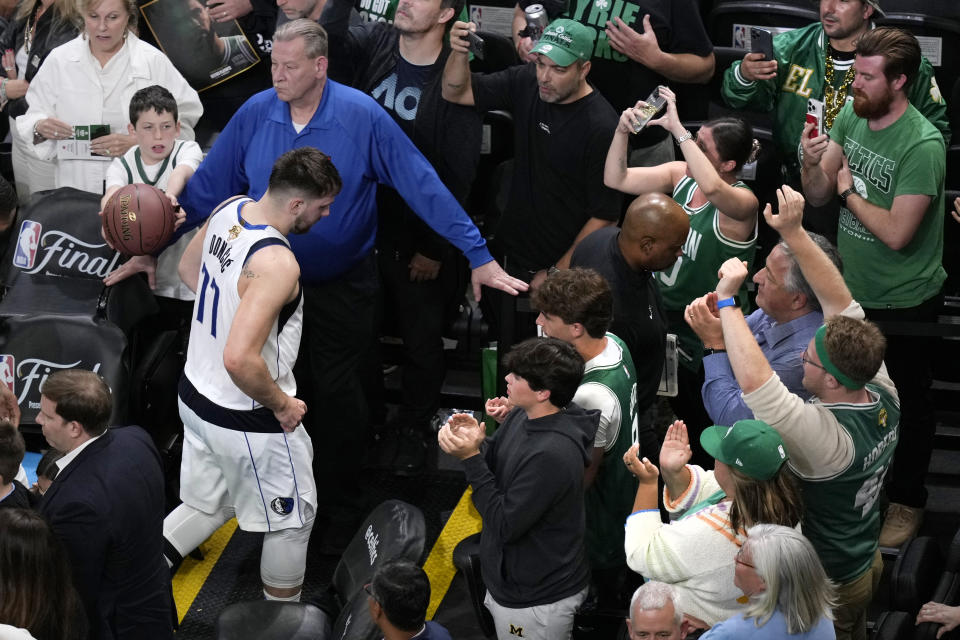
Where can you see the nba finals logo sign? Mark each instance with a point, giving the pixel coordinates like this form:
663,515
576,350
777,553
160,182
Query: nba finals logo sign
27,243
57,252
8,366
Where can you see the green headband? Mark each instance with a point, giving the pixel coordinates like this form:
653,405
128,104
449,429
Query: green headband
828,365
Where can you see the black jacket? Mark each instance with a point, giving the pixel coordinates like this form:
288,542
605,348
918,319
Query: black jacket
107,508
19,498
49,33
528,486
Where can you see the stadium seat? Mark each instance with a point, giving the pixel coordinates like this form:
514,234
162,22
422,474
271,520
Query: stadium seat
394,530
498,53
943,31
945,591
915,575
728,13
937,8
466,558
55,312
893,625
488,194
951,245
704,102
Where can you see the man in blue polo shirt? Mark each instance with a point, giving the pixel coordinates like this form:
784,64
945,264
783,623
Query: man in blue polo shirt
336,257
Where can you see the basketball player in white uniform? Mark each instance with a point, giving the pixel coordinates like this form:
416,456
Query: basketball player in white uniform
244,450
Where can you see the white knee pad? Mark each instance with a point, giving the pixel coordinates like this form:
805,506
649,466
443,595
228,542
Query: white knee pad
186,527
283,561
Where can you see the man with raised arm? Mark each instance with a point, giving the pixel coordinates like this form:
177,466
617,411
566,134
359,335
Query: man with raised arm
787,317
841,442
562,129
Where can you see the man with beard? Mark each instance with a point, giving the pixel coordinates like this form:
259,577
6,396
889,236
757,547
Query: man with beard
401,66
887,163
813,66
562,129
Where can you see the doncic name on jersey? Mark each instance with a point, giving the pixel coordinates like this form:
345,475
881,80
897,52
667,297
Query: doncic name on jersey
57,252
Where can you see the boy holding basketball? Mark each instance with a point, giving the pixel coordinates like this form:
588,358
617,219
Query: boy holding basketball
161,160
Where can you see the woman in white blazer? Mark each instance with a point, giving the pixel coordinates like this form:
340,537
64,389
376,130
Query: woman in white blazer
89,81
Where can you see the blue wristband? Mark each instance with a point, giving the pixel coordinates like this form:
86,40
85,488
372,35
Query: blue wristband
727,302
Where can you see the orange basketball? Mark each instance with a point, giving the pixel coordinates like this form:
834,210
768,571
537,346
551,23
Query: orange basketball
138,220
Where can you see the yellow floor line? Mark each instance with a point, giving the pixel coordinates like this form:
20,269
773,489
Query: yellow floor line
463,522
192,573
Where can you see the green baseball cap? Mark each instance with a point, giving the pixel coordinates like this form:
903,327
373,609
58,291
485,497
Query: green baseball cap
565,41
751,446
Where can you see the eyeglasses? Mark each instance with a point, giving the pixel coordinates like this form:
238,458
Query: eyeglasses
806,359
739,559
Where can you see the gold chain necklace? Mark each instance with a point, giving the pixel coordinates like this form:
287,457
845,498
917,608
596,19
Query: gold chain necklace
834,99
28,34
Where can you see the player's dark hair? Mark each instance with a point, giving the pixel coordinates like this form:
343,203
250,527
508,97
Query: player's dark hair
305,171
547,364
36,590
577,295
47,467
12,448
314,36
82,396
900,51
734,140
403,592
153,97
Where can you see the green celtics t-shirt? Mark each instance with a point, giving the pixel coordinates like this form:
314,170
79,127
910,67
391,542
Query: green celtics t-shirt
905,158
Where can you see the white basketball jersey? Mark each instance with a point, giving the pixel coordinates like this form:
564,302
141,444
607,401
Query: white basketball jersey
228,244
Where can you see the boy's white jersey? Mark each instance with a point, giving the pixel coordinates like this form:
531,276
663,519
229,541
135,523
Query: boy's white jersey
129,169
228,244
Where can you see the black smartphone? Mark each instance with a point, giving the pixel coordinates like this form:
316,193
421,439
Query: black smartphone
476,44
761,41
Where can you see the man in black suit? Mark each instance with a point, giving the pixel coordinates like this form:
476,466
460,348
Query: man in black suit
107,507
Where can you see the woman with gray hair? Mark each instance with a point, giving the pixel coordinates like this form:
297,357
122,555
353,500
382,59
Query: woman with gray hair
710,512
789,593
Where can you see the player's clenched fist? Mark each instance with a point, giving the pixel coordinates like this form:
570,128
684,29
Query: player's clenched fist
291,413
